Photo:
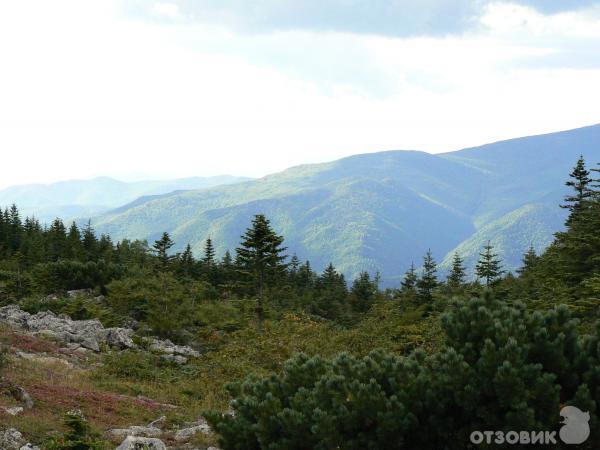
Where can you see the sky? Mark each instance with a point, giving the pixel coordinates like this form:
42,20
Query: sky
160,89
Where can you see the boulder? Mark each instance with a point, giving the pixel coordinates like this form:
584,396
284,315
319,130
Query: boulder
119,337
158,423
184,434
141,443
135,431
177,359
167,347
29,447
14,411
79,293
13,315
11,439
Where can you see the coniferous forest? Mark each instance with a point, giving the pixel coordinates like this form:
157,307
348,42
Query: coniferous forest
295,359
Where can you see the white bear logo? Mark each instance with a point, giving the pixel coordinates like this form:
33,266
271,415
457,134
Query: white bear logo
575,429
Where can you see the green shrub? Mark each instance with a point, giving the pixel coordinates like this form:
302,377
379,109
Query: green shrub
79,435
504,368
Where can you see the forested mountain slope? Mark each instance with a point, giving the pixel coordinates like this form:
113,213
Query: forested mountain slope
380,211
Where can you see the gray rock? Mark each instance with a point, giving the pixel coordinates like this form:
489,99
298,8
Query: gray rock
90,343
141,443
24,396
79,293
13,315
184,434
11,439
158,423
168,348
14,411
119,338
29,447
177,359
136,431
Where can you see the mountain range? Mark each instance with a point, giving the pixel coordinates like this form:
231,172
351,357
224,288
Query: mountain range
382,211
375,212
79,198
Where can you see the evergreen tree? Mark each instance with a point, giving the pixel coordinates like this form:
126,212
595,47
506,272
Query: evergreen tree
489,266
428,280
530,260
580,182
186,263
306,277
209,254
362,293
74,242
56,241
331,291
409,282
161,248
261,257
89,242
457,274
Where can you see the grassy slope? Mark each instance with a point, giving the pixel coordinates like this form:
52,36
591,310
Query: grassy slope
107,386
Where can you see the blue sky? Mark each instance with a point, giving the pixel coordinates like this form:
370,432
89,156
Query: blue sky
203,87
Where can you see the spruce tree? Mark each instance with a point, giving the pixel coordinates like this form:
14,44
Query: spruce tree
74,242
209,254
428,280
331,291
409,282
261,257
161,249
580,182
89,242
489,266
362,293
529,261
186,266
457,274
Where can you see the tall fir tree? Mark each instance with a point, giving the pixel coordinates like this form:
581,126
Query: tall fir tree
529,261
458,273
161,249
580,182
428,280
89,242
363,292
209,254
261,257
489,266
409,282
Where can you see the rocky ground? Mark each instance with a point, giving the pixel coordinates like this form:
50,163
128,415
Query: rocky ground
50,359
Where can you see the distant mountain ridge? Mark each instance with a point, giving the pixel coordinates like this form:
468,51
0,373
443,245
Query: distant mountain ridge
80,198
382,211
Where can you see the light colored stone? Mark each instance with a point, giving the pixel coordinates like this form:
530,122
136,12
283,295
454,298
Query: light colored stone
79,293
119,338
184,434
136,431
141,443
14,411
11,439
177,359
158,423
29,447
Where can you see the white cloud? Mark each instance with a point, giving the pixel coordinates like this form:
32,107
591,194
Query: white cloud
85,91
169,10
